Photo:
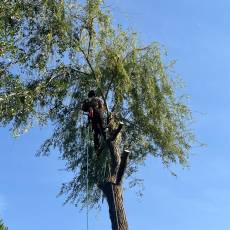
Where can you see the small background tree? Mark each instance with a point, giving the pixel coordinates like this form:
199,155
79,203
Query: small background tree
52,53
2,226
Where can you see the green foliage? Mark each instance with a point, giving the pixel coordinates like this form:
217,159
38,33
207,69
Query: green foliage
53,52
2,226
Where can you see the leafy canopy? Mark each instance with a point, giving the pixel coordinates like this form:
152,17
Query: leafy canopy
52,52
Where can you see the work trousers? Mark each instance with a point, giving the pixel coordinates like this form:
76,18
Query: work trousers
98,125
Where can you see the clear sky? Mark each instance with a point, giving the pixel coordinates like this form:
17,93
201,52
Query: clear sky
197,35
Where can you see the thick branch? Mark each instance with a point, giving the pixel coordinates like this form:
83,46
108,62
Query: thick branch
123,166
115,161
115,133
93,72
95,77
115,153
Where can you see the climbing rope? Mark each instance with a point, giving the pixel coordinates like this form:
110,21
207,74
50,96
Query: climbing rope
87,181
85,135
86,142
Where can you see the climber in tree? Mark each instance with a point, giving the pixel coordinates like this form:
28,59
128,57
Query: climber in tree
94,106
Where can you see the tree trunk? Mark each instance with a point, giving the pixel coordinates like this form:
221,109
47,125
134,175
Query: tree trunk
113,194
112,188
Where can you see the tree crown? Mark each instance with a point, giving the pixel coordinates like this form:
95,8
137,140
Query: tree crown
53,52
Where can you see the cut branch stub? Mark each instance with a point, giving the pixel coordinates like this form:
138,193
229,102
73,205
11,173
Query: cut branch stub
122,167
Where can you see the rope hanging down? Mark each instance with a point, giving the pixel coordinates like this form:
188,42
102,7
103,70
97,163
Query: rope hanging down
86,136
87,181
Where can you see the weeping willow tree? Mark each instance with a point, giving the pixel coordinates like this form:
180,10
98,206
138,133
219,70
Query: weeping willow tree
52,52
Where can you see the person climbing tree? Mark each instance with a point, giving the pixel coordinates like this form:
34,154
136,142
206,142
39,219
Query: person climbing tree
94,106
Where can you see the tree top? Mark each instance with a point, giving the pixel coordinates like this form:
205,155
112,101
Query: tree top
53,52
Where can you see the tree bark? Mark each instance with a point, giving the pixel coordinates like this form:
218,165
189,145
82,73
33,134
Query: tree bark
112,188
114,196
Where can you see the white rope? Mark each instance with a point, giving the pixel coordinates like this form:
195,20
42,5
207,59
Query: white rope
87,182
86,148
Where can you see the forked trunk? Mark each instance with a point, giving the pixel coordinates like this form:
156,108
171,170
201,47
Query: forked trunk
112,188
114,196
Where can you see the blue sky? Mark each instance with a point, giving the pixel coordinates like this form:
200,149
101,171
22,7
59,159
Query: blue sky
197,35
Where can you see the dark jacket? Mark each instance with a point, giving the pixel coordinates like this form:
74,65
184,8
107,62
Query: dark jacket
95,103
